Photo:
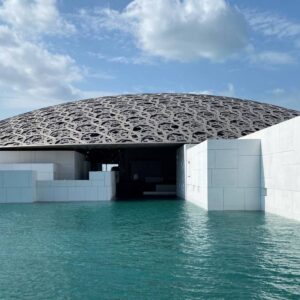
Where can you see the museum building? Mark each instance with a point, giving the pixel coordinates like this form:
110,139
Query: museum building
220,153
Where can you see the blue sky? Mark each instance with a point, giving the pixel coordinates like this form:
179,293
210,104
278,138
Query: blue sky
55,51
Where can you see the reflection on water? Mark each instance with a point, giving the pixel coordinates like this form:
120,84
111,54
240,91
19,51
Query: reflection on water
145,250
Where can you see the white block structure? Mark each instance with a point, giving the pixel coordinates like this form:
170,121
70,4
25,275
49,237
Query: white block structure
181,171
280,168
260,171
17,186
20,186
100,187
43,171
69,164
224,175
196,171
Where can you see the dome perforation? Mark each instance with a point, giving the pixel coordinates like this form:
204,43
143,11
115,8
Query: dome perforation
145,118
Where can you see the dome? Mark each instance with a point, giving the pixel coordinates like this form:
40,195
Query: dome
140,119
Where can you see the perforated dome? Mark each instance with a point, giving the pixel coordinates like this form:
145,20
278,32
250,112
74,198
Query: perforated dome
138,119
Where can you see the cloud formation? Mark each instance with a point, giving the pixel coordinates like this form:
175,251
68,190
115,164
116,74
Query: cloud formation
228,92
272,25
30,74
28,68
182,30
34,17
272,58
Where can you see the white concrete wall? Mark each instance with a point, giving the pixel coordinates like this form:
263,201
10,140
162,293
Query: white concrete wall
100,187
43,171
181,171
280,168
224,175
17,186
69,163
196,175
233,175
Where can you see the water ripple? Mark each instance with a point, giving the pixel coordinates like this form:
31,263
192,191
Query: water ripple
146,250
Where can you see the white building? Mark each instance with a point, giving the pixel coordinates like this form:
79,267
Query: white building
220,153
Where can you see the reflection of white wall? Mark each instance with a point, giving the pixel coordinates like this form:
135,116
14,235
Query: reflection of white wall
70,164
280,169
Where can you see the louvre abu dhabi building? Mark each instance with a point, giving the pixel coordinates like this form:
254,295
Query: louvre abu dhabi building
220,153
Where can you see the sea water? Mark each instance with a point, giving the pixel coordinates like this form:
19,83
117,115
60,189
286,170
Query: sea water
146,250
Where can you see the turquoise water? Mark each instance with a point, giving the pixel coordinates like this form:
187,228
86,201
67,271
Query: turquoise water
145,250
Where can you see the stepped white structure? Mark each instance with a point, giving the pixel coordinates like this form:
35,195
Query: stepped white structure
260,171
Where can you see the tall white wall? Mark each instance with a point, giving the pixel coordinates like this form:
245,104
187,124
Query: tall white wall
224,175
233,174
196,175
69,163
280,168
181,170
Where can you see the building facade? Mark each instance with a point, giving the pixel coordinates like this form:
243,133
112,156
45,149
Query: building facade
220,153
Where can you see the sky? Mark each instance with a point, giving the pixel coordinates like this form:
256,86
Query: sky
53,51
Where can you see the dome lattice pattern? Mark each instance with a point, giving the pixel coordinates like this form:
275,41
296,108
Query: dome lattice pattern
146,118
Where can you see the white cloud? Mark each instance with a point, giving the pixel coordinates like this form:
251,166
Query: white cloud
181,30
272,25
228,92
34,17
272,58
30,75
128,60
135,60
278,91
31,70
203,92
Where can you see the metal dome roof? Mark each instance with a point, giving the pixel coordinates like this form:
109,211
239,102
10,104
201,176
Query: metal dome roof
139,119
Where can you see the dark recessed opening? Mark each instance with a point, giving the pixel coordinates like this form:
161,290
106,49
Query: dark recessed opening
141,172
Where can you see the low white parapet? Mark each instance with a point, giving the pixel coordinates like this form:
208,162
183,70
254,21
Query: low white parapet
17,186
100,187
